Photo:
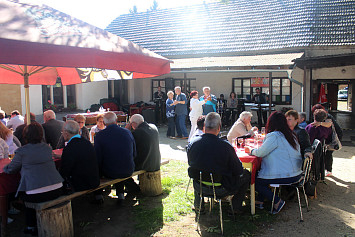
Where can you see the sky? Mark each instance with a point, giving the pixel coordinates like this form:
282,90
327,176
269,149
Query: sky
101,12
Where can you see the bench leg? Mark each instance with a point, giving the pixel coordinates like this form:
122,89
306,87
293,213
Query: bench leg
55,221
150,183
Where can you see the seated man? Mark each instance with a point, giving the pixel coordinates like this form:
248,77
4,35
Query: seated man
148,156
146,137
15,120
241,127
302,135
79,165
19,129
52,128
212,154
115,149
83,131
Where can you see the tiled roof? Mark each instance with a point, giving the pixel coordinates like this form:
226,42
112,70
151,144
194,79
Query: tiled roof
240,61
240,26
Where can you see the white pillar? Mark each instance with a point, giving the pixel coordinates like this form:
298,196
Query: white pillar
51,94
65,98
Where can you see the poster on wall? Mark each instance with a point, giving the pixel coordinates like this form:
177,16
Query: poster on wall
260,82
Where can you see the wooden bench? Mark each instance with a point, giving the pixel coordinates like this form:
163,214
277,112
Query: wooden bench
54,218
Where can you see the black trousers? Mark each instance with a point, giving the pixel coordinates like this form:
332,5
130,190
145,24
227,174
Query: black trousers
31,220
328,160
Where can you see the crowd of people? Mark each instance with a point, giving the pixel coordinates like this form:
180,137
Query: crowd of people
108,150
284,148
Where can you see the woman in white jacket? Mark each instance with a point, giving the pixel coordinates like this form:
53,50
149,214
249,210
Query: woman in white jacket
196,111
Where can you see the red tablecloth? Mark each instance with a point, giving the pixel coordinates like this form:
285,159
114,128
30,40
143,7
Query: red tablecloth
256,161
92,114
8,182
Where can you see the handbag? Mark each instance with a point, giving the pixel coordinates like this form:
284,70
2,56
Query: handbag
335,144
310,187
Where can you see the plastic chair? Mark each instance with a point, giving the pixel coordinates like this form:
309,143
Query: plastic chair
307,163
209,180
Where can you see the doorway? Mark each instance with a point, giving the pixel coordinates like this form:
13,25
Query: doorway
343,97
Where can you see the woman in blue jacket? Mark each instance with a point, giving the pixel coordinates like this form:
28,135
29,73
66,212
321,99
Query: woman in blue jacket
281,159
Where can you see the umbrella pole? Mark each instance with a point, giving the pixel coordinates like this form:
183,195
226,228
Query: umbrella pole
27,95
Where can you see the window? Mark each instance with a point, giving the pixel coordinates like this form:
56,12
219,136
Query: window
156,83
187,85
281,89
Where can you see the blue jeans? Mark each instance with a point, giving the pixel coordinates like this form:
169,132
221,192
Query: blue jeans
171,127
262,187
181,126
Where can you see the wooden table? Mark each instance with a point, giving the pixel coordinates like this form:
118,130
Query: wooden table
252,163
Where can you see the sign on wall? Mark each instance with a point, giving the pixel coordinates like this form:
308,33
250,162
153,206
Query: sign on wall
260,82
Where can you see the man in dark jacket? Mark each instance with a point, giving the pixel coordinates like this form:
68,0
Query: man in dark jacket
146,137
212,154
52,128
79,164
148,155
115,149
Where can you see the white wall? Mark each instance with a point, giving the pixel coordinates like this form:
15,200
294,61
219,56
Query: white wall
90,93
36,106
220,83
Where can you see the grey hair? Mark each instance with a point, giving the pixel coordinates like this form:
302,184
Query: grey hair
245,114
169,93
302,115
71,127
206,87
213,121
49,114
110,118
137,118
177,87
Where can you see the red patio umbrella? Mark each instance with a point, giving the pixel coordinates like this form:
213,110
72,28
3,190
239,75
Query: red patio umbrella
39,43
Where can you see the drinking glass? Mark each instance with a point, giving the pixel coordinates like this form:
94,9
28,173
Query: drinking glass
233,143
240,141
263,131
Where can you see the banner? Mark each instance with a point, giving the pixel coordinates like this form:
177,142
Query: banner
322,96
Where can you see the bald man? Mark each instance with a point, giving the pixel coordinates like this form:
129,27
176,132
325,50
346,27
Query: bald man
52,128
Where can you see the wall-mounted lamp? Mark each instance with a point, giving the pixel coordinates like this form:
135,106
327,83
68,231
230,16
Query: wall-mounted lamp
343,70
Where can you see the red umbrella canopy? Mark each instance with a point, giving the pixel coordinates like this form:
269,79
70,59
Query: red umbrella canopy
41,36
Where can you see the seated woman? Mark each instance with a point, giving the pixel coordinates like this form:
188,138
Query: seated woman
4,149
241,127
98,127
6,134
200,128
282,161
84,132
232,104
40,180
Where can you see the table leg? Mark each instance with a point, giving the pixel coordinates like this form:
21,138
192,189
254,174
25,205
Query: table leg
3,213
252,198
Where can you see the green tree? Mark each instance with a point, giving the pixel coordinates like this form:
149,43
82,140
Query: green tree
133,10
154,7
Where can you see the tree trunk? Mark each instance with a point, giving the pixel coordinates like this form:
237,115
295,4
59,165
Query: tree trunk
56,221
150,183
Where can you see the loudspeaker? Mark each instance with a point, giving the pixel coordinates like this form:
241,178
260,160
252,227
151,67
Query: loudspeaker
149,115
